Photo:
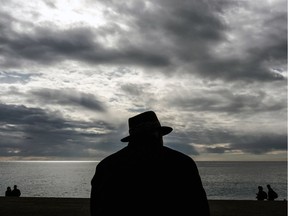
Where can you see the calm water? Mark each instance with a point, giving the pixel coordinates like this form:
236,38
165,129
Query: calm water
221,180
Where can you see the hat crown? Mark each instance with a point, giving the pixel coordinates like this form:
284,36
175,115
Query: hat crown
145,123
146,120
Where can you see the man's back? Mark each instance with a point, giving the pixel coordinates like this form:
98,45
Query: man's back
147,178
162,181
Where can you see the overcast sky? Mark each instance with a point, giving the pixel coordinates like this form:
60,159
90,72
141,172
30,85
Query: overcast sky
73,72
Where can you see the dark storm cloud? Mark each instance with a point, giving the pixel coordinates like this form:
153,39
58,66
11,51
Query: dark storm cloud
49,44
24,128
261,143
183,31
260,58
253,143
165,34
237,69
189,31
68,97
33,132
224,100
187,142
256,143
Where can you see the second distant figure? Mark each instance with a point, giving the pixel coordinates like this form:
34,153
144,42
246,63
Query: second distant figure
8,192
261,195
272,195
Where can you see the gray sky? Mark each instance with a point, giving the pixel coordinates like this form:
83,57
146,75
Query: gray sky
73,72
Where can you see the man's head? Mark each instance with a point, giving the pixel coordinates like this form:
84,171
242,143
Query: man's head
144,126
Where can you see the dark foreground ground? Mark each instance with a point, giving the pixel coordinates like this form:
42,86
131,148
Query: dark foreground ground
25,206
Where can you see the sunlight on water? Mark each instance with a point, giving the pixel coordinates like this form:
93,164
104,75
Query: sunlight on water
54,161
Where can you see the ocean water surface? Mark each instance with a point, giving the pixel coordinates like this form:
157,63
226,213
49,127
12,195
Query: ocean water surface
221,180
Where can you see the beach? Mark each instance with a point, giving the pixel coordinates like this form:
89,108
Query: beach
36,206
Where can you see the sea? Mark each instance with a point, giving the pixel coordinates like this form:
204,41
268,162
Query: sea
221,180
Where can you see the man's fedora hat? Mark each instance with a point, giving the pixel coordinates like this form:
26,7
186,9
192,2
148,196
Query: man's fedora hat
144,123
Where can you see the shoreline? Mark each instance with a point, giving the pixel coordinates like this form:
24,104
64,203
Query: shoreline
44,206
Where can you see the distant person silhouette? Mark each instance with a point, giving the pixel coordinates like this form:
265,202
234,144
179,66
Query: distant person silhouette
272,195
261,195
147,178
8,192
16,192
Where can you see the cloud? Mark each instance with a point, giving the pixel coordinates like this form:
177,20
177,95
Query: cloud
195,29
14,77
72,74
33,132
250,143
68,97
261,143
222,142
226,101
49,44
157,34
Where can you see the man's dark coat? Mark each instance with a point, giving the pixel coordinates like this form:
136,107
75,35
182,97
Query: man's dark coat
166,182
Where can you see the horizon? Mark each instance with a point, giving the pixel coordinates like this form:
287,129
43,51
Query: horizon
99,160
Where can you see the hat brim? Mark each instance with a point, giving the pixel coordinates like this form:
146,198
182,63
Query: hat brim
163,129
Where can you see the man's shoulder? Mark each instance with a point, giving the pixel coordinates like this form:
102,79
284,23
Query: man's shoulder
116,156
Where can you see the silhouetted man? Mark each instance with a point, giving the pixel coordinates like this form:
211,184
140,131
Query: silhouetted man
147,178
261,195
15,192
